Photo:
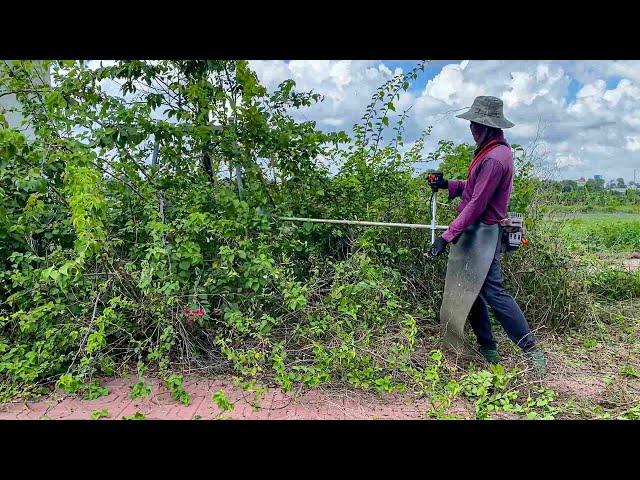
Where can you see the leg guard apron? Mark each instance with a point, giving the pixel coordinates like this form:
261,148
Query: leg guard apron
467,267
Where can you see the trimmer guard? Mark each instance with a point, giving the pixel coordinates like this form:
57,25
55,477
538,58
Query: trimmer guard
467,267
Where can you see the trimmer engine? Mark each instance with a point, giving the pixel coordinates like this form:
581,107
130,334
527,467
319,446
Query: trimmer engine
514,234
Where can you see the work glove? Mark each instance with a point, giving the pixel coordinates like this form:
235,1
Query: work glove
438,246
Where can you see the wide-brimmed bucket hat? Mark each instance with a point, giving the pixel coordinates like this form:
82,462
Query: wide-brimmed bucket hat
487,111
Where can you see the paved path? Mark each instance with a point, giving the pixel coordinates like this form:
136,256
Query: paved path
313,405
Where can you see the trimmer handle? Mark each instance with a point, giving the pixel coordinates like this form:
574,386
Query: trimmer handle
434,179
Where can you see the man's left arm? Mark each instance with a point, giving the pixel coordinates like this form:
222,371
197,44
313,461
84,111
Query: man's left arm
487,181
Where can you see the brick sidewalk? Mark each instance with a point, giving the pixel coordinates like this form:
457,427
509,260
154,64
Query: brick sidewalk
274,405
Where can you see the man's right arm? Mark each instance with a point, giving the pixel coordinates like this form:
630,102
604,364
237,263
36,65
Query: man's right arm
456,187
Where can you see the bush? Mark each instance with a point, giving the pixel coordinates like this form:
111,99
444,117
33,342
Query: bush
112,260
537,276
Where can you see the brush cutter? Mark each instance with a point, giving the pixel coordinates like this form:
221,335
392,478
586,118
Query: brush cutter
513,225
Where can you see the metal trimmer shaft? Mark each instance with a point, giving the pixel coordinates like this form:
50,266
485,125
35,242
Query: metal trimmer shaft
367,224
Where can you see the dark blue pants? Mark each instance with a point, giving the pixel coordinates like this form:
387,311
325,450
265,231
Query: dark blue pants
505,308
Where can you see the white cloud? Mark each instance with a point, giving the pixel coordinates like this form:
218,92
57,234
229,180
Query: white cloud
334,122
595,131
568,161
525,130
95,64
449,86
527,86
533,92
347,86
633,143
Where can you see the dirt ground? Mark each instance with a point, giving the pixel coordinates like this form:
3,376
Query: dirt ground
598,372
595,376
625,261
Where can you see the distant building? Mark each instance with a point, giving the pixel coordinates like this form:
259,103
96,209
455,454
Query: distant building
581,182
619,190
598,177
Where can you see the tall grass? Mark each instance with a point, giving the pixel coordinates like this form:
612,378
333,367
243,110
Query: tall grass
600,233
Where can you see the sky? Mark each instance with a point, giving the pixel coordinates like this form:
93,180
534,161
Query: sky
584,114
588,112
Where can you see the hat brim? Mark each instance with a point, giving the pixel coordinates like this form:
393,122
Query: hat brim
495,122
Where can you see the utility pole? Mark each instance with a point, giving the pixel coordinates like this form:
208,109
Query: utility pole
155,162
238,166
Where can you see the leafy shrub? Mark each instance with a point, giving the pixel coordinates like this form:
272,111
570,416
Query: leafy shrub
537,276
127,240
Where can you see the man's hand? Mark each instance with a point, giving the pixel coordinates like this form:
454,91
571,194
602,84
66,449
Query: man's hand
438,246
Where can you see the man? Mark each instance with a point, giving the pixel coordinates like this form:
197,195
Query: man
474,280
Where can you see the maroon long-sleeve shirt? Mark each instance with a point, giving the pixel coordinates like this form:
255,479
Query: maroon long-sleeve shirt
485,194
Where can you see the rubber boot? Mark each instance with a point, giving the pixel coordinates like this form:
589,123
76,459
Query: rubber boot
490,355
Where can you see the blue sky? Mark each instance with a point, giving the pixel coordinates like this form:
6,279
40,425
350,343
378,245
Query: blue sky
572,90
583,117
588,111
430,71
